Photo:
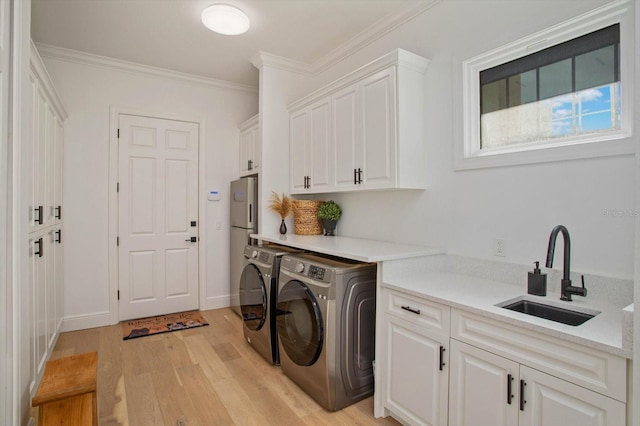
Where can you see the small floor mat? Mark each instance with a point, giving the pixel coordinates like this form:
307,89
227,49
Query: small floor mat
161,324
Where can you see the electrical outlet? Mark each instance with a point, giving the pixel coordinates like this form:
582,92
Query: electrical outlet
499,248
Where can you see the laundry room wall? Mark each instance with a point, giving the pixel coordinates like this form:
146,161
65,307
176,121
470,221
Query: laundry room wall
465,211
88,91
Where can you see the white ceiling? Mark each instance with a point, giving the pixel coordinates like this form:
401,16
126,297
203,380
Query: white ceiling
169,34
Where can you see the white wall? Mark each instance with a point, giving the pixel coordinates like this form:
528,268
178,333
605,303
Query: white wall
278,89
88,93
466,211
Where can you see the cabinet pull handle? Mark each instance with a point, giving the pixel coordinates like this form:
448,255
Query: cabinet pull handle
410,309
250,164
355,176
522,400
38,219
58,236
38,252
442,364
509,390
58,212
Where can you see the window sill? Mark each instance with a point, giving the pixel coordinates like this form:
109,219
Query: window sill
616,144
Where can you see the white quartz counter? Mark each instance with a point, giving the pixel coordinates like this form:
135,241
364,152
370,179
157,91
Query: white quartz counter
477,295
350,248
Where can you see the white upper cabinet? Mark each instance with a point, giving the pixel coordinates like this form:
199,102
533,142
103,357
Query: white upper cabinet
250,147
375,137
310,159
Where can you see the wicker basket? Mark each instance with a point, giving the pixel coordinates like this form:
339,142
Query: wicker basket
305,217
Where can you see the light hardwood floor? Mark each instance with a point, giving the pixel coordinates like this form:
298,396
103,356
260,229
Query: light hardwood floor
203,376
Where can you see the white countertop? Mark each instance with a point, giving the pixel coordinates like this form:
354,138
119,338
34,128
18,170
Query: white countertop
603,332
350,248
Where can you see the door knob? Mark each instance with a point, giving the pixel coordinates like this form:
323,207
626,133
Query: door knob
192,239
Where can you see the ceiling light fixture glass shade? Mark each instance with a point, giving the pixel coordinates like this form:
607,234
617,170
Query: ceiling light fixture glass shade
225,19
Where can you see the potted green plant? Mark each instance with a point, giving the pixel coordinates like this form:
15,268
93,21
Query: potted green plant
329,212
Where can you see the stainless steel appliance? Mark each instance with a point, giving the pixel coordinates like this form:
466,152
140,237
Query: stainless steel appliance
258,291
325,317
244,221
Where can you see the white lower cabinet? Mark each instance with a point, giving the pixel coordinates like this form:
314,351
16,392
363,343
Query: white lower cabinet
549,401
487,389
417,375
442,366
482,387
416,359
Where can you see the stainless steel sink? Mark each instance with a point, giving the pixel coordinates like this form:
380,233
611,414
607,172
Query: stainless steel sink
549,312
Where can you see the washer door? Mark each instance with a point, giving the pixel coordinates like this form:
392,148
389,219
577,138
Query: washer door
253,297
299,323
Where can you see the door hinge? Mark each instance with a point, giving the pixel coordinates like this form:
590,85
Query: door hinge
118,241
118,294
118,134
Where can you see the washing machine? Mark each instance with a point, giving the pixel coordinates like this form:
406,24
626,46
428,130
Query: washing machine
325,318
257,295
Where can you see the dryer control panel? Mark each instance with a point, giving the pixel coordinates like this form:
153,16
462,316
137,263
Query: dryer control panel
311,271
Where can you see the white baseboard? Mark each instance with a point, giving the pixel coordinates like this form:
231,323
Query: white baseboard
101,319
216,303
82,322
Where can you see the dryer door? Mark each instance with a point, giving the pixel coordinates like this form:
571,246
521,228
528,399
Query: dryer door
253,297
299,323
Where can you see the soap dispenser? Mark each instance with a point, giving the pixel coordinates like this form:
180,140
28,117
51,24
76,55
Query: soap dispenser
537,282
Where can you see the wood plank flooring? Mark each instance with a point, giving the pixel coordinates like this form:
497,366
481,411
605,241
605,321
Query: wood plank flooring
201,376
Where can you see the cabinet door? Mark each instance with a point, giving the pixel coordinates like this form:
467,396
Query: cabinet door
379,130
298,152
256,149
416,376
58,260
483,387
346,137
246,152
50,167
319,136
38,253
39,161
554,402
57,170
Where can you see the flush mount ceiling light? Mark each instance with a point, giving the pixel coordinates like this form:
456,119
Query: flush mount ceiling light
225,19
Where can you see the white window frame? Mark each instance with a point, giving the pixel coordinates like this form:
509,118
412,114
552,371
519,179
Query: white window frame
467,153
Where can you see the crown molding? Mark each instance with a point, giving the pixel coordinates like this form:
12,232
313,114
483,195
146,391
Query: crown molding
350,47
46,84
371,34
263,58
76,56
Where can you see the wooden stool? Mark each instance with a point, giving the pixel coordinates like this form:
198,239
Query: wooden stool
67,392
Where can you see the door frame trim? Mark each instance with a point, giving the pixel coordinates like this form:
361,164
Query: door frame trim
115,112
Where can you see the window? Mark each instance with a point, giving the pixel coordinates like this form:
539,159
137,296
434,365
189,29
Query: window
551,96
567,89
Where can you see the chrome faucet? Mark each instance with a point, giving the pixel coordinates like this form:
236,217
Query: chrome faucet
566,289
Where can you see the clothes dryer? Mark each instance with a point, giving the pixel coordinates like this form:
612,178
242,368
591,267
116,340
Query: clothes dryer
325,318
257,295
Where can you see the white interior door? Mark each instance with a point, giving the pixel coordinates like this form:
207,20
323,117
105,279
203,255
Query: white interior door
157,216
